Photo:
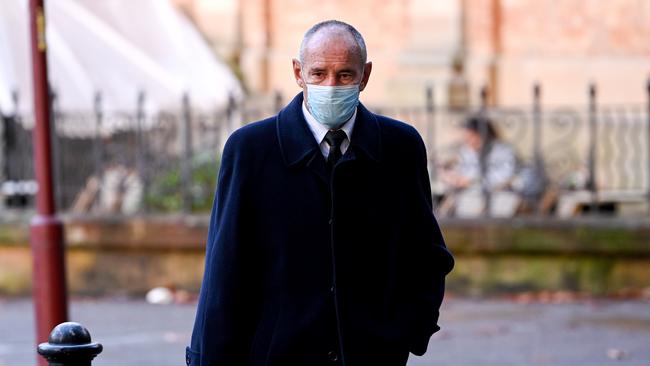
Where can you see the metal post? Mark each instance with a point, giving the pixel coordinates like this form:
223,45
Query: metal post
218,124
591,183
537,138
278,101
97,146
230,114
483,154
648,142
186,161
22,170
431,135
69,344
140,150
46,230
226,124
3,154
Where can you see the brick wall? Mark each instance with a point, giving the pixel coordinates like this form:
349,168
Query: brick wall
410,42
564,44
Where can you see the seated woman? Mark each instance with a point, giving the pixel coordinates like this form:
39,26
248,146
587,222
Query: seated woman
484,163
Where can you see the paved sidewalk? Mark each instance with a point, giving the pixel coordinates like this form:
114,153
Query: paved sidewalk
483,333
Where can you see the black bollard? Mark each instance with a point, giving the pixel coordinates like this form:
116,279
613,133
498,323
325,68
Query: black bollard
69,345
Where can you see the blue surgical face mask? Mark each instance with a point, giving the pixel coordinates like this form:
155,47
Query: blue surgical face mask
332,105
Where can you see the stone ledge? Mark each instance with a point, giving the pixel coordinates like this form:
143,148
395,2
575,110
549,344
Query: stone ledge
130,255
534,236
523,236
151,232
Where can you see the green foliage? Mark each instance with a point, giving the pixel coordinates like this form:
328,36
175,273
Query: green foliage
165,192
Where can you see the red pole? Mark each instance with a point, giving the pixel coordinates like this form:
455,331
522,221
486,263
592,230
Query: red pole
46,230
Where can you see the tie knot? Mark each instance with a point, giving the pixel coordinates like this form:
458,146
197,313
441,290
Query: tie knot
335,138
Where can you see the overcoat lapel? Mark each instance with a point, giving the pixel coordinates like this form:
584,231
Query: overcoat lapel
298,145
296,141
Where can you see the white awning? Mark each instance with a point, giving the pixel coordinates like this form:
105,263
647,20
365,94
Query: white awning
117,47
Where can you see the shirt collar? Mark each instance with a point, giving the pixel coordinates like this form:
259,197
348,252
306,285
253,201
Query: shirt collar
319,131
294,135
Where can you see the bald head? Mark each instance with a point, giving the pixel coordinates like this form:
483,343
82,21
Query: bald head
332,53
329,31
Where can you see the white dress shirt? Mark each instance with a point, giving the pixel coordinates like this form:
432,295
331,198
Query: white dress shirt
320,131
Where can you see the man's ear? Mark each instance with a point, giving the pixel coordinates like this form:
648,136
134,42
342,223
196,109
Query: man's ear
367,68
297,74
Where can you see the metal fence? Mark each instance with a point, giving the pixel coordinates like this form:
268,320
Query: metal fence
583,159
123,162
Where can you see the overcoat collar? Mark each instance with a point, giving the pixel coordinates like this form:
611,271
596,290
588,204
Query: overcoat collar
297,142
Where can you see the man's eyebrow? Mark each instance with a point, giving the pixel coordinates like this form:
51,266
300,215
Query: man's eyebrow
312,69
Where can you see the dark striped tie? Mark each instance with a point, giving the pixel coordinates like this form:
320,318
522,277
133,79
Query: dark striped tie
334,139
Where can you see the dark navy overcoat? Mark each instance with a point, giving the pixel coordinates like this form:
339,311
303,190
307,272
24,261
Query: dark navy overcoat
306,267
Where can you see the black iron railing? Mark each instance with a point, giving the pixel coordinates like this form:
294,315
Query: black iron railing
586,159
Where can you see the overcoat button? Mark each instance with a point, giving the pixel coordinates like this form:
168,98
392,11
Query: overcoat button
332,356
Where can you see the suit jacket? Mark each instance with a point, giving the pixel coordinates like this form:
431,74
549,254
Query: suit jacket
310,267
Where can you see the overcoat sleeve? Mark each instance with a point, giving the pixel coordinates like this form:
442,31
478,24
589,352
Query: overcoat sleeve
430,259
228,304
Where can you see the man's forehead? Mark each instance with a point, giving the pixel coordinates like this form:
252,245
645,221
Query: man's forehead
323,65
331,41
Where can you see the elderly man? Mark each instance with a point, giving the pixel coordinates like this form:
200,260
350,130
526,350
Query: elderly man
322,247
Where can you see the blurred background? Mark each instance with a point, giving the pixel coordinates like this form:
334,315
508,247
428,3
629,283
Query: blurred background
536,116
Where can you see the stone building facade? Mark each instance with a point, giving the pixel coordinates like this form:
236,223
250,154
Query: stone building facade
506,44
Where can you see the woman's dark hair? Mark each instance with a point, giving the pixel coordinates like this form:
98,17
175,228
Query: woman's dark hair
483,126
